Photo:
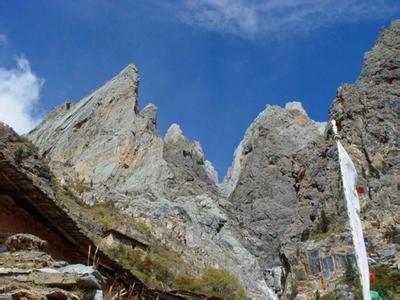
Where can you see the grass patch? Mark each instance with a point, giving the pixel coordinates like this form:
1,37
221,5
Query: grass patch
329,233
23,139
104,213
145,228
157,270
213,282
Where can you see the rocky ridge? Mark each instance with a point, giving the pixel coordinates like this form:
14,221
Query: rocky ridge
164,182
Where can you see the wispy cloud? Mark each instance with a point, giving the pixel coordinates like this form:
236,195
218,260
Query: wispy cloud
3,39
250,18
19,95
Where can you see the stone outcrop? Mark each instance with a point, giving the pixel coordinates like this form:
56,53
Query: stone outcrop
25,241
27,271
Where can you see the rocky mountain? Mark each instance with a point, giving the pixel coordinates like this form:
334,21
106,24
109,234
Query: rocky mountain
260,186
277,221
107,151
367,113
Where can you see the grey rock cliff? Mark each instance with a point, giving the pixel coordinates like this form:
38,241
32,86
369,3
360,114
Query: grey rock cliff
260,184
367,113
107,151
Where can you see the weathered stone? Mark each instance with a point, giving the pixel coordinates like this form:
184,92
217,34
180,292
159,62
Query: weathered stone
15,271
328,266
390,251
278,278
314,261
34,281
23,241
53,278
86,276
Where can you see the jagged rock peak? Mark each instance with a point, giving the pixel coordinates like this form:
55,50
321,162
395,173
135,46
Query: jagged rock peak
211,172
174,135
381,63
295,105
150,112
293,130
130,71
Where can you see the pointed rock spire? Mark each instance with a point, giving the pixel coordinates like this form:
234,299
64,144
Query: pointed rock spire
296,105
174,135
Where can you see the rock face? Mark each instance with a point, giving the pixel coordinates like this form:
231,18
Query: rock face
108,151
367,113
260,185
278,219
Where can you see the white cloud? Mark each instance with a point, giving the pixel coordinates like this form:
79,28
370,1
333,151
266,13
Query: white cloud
3,39
19,96
250,18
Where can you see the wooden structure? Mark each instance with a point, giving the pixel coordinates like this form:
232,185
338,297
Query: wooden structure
112,235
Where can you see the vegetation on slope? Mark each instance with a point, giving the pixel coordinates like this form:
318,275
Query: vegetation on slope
159,266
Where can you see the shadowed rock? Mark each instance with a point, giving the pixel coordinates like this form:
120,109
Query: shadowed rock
23,241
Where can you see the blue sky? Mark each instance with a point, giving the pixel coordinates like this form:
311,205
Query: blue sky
209,65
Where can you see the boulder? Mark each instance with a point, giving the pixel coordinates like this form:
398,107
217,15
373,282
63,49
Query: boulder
23,241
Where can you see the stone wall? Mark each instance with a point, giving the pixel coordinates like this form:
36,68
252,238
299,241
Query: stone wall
14,220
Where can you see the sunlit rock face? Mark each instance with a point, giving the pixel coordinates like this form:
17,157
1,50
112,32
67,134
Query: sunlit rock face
318,242
106,150
260,185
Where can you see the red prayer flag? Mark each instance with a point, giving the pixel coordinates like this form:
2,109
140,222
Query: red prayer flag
372,276
360,189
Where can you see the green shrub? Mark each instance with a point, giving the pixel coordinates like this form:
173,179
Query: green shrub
351,276
163,262
357,292
325,235
186,282
23,139
145,228
325,227
387,282
220,282
19,154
